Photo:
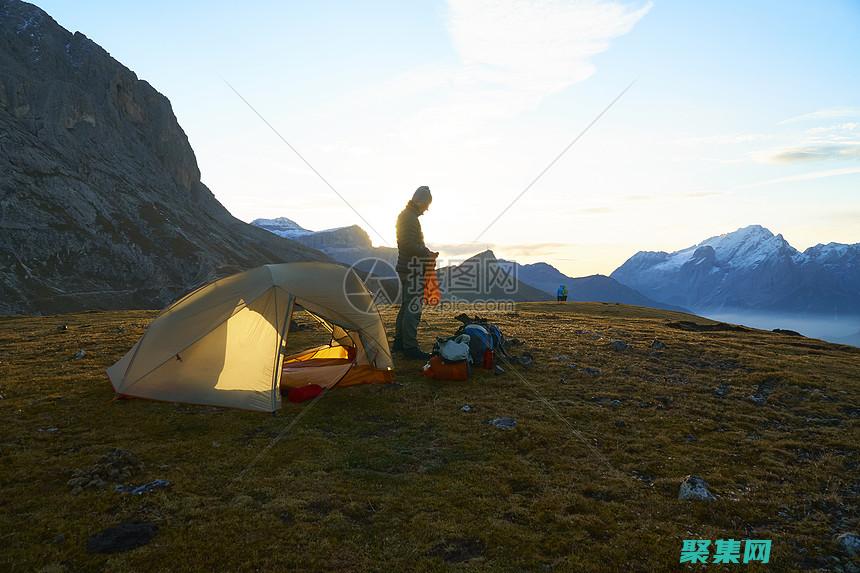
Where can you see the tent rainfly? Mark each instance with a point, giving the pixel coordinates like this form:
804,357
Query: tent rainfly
224,344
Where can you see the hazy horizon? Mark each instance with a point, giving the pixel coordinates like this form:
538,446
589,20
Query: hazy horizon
741,114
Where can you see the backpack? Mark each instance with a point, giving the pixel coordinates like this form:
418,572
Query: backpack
483,336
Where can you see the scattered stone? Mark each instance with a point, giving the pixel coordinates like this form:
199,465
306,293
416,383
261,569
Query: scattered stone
526,359
148,487
286,518
62,328
620,424
658,345
243,501
458,550
644,477
850,543
592,371
50,430
615,403
216,444
503,423
59,539
467,408
762,392
79,354
561,357
722,390
562,380
512,342
122,537
115,466
690,438
619,345
694,488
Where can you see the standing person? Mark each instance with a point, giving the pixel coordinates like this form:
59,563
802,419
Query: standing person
412,256
561,293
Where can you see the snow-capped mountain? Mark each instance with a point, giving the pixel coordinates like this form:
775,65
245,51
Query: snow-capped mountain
282,227
347,245
750,268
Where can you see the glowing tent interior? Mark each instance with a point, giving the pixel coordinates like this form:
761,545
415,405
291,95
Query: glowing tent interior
225,344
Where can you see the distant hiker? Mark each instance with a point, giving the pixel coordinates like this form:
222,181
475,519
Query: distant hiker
561,293
412,258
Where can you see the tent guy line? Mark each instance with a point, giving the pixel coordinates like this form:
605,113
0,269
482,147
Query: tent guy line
554,161
306,162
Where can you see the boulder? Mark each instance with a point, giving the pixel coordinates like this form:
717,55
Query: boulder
695,488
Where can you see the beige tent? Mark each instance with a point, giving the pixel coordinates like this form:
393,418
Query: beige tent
224,344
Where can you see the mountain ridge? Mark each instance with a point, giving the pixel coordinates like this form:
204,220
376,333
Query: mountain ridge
750,268
102,205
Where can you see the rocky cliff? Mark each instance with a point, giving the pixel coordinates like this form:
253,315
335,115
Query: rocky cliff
101,203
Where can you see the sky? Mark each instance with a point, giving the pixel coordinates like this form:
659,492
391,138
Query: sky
740,113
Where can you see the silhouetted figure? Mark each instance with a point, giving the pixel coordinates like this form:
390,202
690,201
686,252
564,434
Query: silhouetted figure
412,258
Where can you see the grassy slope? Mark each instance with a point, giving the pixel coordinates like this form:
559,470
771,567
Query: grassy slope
398,478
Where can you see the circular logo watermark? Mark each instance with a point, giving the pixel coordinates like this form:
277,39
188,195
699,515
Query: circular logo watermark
379,278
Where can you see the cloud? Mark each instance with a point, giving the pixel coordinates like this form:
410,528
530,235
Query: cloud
535,46
460,251
804,177
512,54
597,210
842,151
725,139
838,141
829,113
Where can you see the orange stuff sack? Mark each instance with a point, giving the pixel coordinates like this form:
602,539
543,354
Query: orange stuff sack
438,369
432,292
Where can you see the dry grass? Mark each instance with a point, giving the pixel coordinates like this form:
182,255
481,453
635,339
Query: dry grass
391,478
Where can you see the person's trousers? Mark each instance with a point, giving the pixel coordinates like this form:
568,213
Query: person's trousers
409,315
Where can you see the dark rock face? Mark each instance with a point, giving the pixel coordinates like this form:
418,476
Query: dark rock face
122,537
101,203
750,269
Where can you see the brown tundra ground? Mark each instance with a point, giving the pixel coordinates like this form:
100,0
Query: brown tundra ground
400,478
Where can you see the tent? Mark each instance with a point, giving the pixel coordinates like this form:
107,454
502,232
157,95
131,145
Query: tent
224,344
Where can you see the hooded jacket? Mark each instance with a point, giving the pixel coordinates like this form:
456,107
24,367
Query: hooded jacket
410,240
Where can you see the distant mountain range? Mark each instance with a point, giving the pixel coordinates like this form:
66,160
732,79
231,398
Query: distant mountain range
593,288
537,281
101,203
750,269
346,245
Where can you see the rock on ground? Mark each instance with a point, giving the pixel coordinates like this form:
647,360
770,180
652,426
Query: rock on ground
115,466
694,488
503,423
850,543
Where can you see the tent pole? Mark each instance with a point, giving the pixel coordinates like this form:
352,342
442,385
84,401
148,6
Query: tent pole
276,374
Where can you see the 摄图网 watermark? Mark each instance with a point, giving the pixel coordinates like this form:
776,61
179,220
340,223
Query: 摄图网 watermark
725,551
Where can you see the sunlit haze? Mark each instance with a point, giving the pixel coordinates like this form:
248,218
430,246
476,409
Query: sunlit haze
740,114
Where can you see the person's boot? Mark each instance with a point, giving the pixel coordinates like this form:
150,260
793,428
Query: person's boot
415,354
396,346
